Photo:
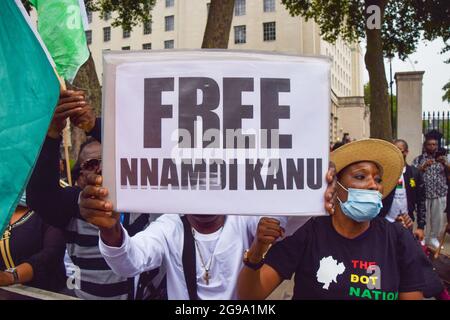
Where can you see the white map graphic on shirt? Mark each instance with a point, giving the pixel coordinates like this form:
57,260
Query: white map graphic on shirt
328,271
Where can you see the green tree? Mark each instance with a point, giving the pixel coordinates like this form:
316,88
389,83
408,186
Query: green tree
367,97
446,88
446,96
394,102
129,13
367,94
389,26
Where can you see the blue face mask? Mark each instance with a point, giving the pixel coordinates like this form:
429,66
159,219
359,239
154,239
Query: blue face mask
361,205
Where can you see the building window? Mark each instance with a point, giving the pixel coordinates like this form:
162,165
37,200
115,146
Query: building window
239,7
125,33
89,16
170,23
170,3
126,48
107,16
239,34
169,44
106,34
147,27
269,31
89,36
269,5
147,46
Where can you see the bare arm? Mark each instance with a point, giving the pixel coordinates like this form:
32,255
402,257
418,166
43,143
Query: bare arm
57,205
257,284
415,295
24,272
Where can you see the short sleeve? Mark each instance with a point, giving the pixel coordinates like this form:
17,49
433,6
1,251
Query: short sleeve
411,260
284,256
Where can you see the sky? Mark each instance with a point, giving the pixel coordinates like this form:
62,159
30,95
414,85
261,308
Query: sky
427,58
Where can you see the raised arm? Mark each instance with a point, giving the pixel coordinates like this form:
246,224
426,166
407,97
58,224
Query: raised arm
257,282
127,256
57,205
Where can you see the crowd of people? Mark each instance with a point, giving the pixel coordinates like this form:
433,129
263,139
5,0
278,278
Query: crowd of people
368,246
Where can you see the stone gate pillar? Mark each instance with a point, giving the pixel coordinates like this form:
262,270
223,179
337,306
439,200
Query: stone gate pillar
409,110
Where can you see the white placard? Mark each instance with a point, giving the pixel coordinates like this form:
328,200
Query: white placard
215,132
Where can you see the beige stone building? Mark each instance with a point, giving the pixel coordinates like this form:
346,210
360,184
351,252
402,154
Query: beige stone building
257,25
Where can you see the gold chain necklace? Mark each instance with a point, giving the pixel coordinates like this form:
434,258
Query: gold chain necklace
206,275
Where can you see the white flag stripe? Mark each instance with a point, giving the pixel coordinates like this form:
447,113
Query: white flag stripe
38,37
83,13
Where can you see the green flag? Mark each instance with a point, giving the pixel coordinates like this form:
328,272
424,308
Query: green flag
61,28
29,91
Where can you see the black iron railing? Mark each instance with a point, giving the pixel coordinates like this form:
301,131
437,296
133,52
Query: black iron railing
439,121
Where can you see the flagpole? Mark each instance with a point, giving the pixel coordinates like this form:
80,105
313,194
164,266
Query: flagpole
61,82
66,142
66,135
66,39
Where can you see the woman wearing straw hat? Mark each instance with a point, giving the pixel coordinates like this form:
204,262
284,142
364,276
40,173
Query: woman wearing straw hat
351,254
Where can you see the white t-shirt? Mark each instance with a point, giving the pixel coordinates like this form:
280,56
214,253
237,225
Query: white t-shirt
400,202
162,243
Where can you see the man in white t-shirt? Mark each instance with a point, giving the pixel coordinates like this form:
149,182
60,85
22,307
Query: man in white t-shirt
218,243
218,253
399,202
407,200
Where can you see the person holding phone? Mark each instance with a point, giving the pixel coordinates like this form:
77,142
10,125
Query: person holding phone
433,165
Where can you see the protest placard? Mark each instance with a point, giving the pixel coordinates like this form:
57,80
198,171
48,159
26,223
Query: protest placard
215,132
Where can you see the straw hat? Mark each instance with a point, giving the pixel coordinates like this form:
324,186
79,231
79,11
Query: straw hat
385,154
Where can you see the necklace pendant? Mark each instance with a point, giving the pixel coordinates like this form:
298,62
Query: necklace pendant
206,277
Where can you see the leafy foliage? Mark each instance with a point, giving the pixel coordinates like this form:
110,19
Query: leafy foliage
446,96
403,24
129,12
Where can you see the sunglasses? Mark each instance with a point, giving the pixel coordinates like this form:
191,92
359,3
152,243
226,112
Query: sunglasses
91,164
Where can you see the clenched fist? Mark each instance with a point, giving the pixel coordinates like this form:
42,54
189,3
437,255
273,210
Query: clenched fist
268,231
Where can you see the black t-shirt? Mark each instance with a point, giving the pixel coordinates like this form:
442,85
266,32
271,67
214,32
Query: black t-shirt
329,266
